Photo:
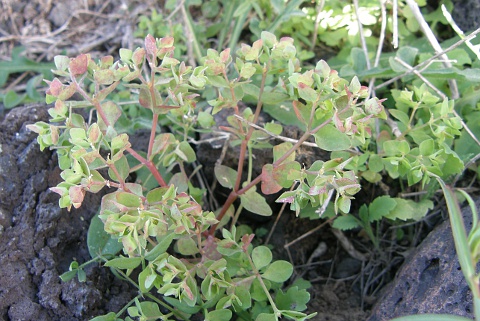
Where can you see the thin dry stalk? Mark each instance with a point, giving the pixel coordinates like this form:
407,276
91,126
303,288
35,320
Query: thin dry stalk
428,61
301,237
362,36
434,43
283,138
348,246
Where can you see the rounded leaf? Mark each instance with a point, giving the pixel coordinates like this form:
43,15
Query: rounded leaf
278,271
330,138
261,256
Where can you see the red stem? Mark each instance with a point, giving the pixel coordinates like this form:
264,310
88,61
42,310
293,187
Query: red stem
150,165
243,147
235,194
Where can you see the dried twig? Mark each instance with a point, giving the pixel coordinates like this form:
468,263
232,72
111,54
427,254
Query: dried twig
348,246
362,36
428,61
395,24
434,43
319,10
448,16
285,139
419,75
301,237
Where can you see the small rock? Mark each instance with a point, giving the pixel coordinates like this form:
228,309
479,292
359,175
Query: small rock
430,280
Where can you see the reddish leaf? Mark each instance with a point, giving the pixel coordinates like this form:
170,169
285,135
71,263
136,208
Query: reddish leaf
246,240
269,184
224,55
55,87
150,45
104,77
296,104
166,42
106,61
144,98
76,194
67,92
112,111
138,56
79,65
163,109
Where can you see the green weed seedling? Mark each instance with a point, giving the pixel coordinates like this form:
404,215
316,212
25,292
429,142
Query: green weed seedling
188,262
19,64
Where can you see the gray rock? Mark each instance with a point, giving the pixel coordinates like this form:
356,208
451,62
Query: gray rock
466,14
430,280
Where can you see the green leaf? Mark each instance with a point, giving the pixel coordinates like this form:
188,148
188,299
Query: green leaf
107,317
278,271
20,63
269,39
128,199
67,276
293,299
375,163
181,306
381,207
104,76
273,98
261,256
127,263
400,115
219,315
331,139
409,210
186,152
244,296
146,280
306,92
81,275
12,99
160,248
225,175
187,246
100,242
125,55
406,54
427,147
395,147
112,114
123,169
284,113
281,149
205,119
266,317
32,85
255,203
345,222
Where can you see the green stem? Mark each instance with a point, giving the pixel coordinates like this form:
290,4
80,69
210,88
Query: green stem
276,311
163,304
126,306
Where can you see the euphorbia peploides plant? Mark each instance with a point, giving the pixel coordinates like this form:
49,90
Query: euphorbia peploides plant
161,228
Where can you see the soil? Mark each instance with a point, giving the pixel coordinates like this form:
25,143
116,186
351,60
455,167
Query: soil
38,240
